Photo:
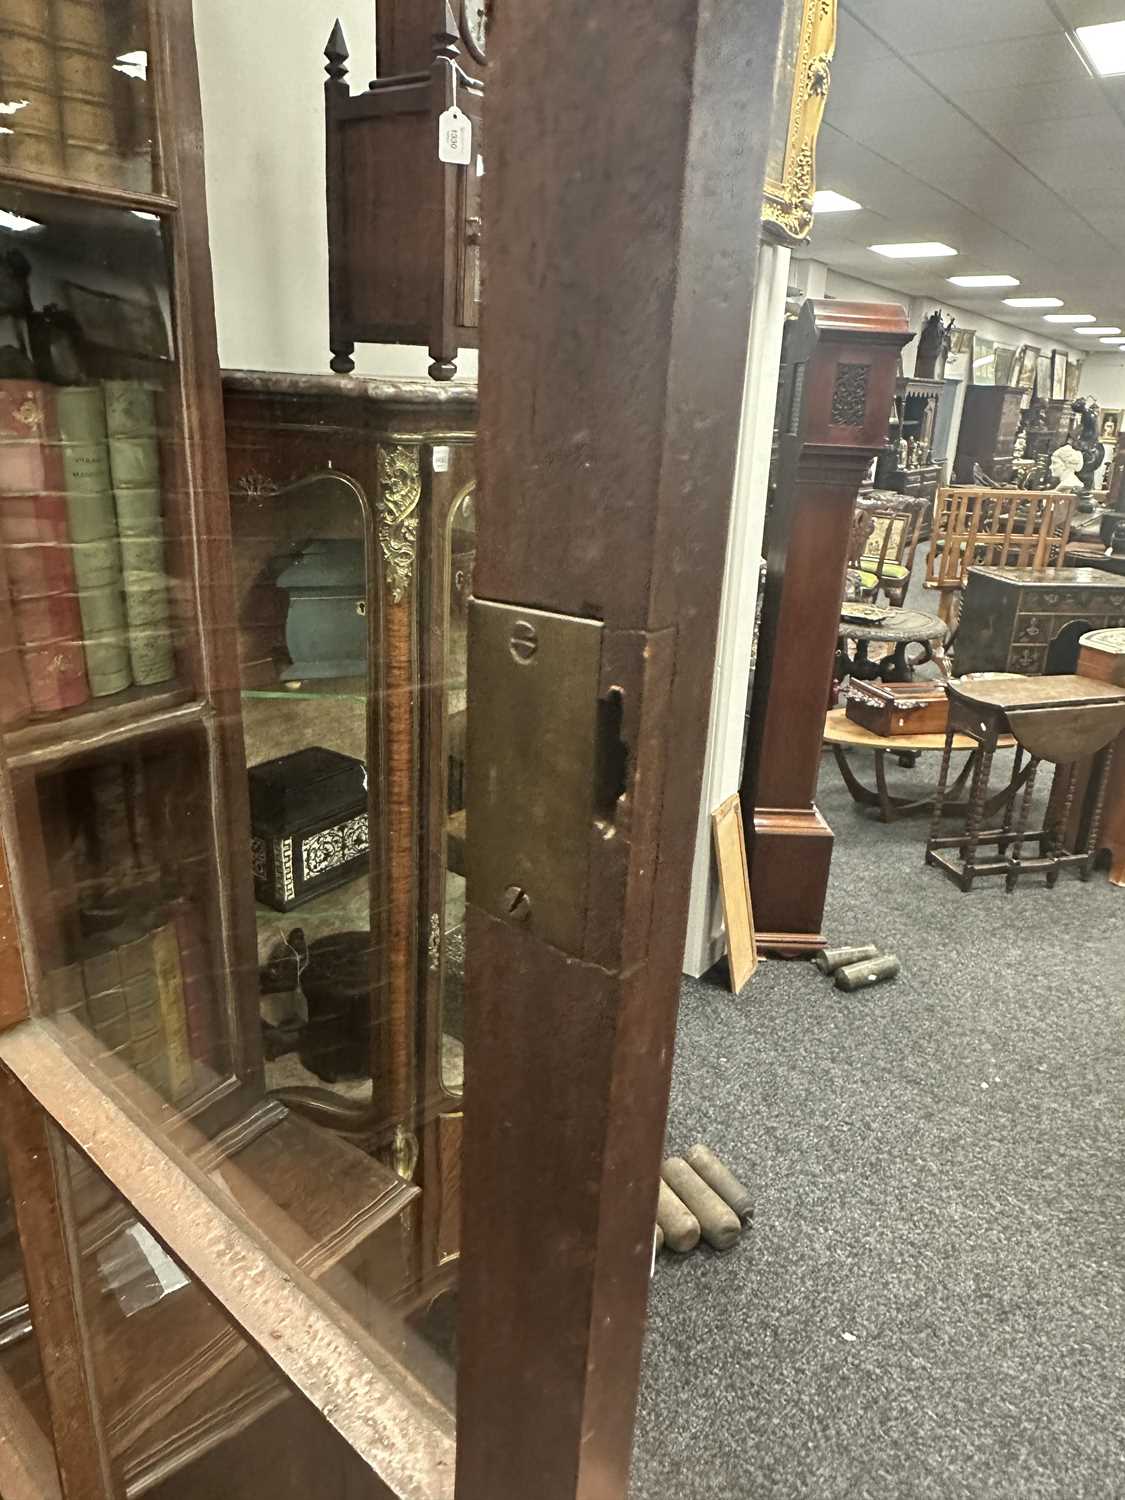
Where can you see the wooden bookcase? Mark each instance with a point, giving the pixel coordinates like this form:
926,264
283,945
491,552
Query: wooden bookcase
123,812
989,423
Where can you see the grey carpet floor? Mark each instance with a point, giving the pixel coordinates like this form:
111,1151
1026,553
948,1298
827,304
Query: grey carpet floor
932,1299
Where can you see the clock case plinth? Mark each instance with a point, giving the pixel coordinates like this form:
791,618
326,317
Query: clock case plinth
404,229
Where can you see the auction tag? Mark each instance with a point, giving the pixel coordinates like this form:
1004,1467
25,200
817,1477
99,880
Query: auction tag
455,137
441,460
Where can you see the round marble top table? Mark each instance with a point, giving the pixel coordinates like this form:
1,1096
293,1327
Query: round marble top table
902,628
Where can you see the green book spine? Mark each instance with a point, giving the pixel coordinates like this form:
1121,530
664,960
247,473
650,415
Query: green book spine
134,461
92,523
105,1002
66,992
142,1001
173,1011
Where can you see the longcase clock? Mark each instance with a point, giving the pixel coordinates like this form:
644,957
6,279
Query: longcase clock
404,225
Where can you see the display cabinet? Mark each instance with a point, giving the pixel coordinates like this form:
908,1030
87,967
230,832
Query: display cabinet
910,463
989,423
389,467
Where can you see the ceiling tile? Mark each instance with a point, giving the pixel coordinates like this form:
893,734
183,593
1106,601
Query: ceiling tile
1019,175
911,25
1025,63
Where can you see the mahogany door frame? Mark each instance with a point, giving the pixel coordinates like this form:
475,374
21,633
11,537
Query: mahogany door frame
623,205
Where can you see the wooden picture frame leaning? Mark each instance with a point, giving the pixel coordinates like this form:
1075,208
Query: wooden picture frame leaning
801,92
734,883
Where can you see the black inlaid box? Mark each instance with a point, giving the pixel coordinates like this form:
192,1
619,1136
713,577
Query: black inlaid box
308,817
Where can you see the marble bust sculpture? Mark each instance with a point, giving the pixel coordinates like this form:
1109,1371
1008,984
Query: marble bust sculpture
1066,462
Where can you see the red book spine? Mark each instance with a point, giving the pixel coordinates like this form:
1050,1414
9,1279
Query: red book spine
15,705
45,614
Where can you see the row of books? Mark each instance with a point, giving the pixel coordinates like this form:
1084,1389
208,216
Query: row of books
144,988
61,63
84,582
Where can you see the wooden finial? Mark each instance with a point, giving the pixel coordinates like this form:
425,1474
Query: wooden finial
337,54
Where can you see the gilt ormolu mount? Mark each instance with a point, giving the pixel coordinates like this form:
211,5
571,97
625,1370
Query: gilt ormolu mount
404,228
839,366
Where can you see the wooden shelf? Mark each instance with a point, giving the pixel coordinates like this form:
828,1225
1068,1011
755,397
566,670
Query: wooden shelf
101,722
171,1371
88,192
299,692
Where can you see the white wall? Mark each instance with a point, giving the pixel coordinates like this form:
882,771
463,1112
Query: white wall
722,768
1103,377
261,71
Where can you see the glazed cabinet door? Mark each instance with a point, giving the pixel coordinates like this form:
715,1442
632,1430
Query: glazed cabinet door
348,772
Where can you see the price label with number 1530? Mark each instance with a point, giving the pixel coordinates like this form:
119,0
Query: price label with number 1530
455,137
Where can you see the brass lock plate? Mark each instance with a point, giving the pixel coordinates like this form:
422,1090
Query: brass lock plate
531,792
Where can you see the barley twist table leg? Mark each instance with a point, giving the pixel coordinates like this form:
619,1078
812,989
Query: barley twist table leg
1010,804
939,795
1013,874
1086,869
1056,834
977,798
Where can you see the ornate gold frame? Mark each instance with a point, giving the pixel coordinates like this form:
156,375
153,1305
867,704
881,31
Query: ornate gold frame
787,207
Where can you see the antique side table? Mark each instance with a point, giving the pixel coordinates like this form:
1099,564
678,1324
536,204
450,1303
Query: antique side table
842,734
1060,720
900,627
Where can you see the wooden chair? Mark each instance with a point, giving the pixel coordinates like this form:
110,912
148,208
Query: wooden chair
978,527
889,548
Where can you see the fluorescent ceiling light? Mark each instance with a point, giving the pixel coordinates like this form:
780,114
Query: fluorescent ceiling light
1118,342
1107,328
1033,301
1104,47
17,222
920,250
1069,318
983,280
825,201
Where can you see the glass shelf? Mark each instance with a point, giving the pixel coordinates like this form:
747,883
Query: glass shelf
299,694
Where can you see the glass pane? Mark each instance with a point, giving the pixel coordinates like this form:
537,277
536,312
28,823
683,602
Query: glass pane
190,1407
23,1399
302,580
126,911
95,603
461,554
353,716
74,91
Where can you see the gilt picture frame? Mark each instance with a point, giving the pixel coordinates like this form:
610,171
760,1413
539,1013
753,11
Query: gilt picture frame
800,94
1025,372
1043,377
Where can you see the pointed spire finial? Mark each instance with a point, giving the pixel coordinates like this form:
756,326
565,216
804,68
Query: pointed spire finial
337,54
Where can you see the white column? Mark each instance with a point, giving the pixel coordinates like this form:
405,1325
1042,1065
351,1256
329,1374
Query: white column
722,770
